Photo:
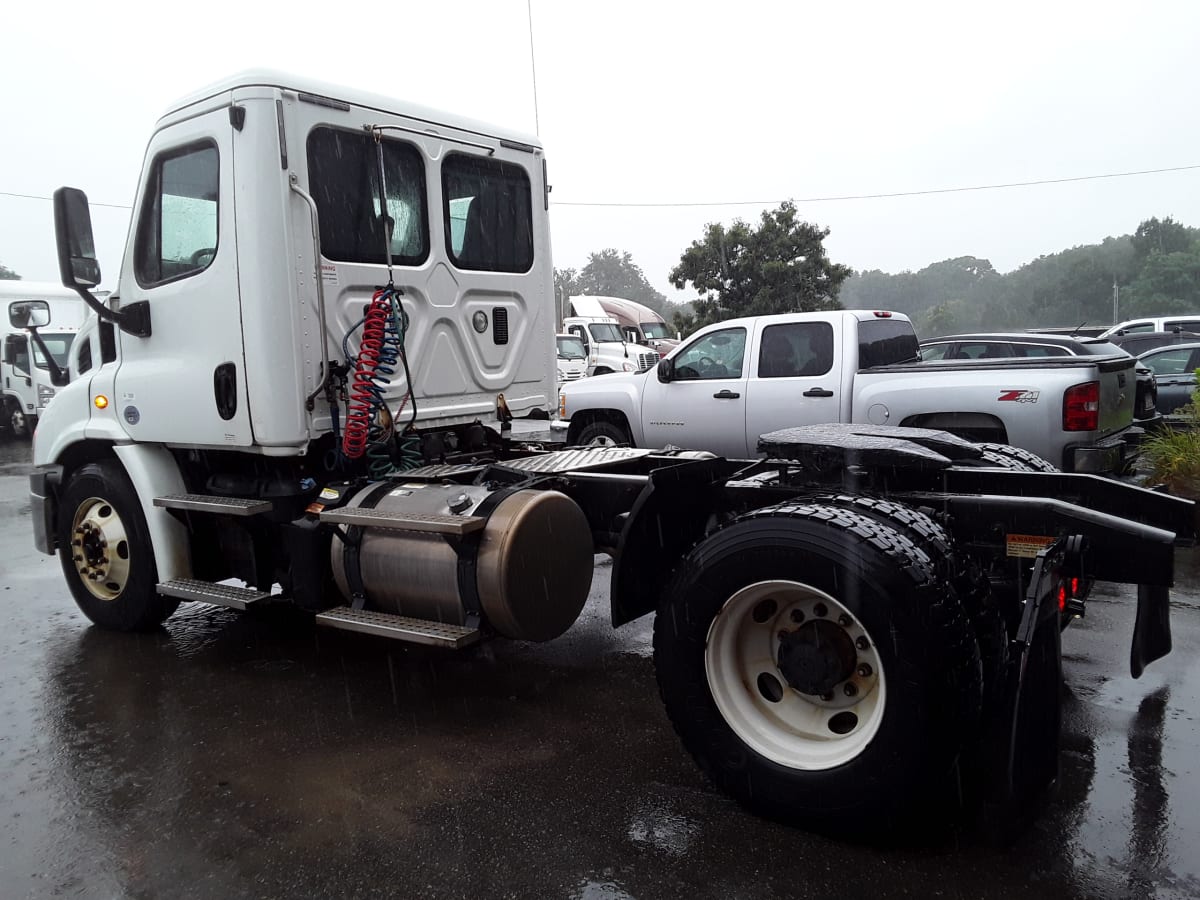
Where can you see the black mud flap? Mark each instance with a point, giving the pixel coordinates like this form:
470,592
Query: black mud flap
1021,738
1152,628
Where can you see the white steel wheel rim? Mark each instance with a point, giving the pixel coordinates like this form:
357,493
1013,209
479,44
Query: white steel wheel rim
797,730
100,548
602,440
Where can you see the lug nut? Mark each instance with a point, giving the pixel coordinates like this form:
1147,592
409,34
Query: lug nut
827,696
864,671
862,643
844,620
850,689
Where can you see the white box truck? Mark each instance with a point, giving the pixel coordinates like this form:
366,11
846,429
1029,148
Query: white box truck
28,362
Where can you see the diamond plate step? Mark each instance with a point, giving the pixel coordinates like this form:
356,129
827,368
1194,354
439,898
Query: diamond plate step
229,506
217,594
401,628
380,518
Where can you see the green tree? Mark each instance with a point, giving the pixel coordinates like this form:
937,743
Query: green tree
7,274
780,266
1167,236
613,273
1167,283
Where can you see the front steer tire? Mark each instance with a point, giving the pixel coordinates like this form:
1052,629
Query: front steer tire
105,550
887,589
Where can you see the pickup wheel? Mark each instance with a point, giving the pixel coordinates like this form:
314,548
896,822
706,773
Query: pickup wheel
1023,459
602,433
105,550
818,669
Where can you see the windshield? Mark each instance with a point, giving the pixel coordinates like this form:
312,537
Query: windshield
571,348
59,346
603,331
655,330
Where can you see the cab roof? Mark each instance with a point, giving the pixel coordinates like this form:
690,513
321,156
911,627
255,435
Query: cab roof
268,78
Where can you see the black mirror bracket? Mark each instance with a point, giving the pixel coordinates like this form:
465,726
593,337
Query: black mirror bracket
58,375
133,319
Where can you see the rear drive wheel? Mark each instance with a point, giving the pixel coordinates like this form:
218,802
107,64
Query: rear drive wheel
105,550
602,433
817,669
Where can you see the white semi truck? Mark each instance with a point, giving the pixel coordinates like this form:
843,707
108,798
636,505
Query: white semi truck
33,362
608,347
330,304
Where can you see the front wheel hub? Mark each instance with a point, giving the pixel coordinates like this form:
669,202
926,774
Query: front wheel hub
100,548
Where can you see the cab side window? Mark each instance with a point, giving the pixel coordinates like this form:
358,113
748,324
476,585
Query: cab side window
177,231
716,355
16,353
488,214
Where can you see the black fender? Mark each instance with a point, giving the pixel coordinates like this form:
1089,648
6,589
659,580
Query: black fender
668,518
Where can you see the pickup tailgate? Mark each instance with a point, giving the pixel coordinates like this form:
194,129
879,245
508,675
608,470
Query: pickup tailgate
1118,391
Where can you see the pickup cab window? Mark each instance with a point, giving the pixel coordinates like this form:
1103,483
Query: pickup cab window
716,355
882,342
796,349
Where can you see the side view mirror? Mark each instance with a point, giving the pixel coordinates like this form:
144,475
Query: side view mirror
77,263
29,313
666,370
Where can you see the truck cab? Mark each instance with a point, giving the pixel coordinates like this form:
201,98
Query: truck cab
609,348
27,384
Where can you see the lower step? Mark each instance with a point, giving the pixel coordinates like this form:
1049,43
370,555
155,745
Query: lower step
217,594
401,628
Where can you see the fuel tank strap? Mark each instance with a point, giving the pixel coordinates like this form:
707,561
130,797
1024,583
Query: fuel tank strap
353,541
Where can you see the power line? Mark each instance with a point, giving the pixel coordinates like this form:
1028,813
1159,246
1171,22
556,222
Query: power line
952,190
537,128
40,197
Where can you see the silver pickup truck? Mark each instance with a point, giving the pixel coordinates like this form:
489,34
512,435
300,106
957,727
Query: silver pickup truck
735,380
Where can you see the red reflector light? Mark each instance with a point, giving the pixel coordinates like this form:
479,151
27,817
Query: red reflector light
1081,407
882,314
1074,587
1062,598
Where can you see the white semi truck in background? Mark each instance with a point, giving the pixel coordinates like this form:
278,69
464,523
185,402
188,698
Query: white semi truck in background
28,363
609,348
330,304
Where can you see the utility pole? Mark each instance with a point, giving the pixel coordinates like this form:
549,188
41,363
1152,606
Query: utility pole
1116,295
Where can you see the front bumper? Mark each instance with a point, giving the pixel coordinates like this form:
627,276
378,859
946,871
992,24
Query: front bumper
43,503
560,424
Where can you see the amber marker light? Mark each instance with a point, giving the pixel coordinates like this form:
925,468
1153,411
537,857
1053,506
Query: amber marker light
101,401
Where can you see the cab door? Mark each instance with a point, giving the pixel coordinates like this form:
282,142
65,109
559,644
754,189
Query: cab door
185,383
704,406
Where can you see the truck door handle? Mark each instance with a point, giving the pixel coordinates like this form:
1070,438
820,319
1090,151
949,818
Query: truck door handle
726,395
818,392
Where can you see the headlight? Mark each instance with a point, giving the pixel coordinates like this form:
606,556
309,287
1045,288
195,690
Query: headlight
629,367
45,394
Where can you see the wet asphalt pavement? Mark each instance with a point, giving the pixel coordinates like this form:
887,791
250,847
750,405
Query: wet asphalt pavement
253,755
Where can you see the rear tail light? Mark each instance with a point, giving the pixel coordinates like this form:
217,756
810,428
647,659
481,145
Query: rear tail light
1081,407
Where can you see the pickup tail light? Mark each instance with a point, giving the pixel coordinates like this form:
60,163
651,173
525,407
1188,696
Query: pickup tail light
1081,407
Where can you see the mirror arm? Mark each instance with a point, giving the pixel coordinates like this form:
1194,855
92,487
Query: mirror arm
58,375
134,318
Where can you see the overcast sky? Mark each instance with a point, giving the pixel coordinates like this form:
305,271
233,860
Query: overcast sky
656,102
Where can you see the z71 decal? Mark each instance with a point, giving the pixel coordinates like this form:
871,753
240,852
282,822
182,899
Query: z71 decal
1019,396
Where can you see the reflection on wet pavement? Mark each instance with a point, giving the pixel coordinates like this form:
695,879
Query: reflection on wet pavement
252,755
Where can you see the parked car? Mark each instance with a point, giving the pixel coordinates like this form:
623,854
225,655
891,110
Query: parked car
1004,345
1156,323
1144,341
1174,370
735,380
